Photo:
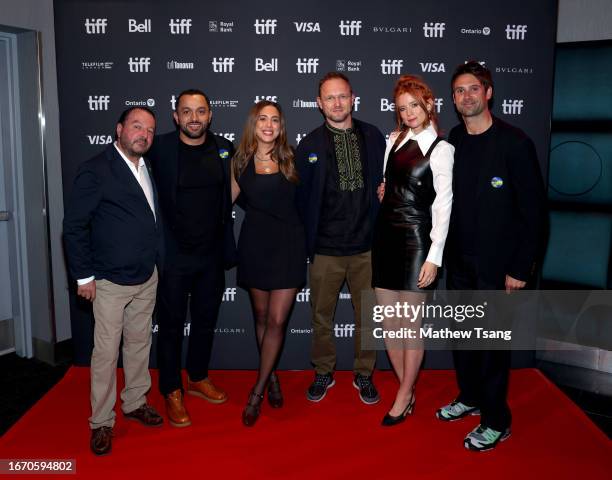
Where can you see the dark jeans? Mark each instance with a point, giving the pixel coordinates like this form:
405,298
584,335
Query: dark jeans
203,278
482,375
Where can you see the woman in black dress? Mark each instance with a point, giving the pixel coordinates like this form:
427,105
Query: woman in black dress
411,226
271,247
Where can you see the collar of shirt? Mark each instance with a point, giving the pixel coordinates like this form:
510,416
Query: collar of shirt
424,138
141,162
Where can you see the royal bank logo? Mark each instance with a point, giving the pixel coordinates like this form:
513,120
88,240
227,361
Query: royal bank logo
149,103
476,31
512,106
98,102
96,26
262,66
139,64
135,27
177,65
299,103
516,32
265,26
348,65
517,70
349,27
229,295
432,67
99,139
220,26
180,26
231,136
97,65
307,65
270,98
391,29
434,29
223,64
307,27
391,67
223,104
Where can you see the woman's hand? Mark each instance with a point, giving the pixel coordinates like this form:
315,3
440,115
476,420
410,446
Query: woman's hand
380,191
428,274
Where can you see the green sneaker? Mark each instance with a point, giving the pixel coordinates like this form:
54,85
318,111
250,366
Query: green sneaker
455,410
482,439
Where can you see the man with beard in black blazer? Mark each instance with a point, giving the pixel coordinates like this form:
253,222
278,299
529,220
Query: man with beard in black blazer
191,169
495,234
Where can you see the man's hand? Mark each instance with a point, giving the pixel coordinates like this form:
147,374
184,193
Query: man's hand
514,284
87,291
380,191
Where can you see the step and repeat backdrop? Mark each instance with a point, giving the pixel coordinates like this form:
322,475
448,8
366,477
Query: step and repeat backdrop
115,54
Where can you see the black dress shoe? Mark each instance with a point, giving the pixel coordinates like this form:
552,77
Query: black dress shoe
250,414
390,420
275,396
100,442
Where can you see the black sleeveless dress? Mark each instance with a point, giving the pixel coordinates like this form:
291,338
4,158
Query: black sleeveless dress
401,236
272,243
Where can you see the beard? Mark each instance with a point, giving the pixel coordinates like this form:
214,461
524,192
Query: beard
137,148
194,134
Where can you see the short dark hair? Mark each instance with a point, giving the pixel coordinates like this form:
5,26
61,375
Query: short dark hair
331,76
192,91
482,73
126,113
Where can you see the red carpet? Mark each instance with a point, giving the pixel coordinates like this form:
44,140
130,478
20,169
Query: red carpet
336,438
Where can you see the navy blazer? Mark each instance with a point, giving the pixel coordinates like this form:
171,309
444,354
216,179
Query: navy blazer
312,156
164,162
511,217
110,231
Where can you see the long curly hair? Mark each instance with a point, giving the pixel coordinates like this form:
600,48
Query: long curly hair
281,152
422,93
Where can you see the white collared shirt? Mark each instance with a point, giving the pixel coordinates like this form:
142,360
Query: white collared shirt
441,164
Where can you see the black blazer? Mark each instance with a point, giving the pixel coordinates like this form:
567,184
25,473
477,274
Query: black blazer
109,229
511,219
164,162
312,156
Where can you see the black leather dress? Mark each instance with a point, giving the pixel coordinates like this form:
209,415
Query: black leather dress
401,236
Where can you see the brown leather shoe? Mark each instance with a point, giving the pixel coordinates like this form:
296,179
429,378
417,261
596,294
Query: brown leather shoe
206,389
146,415
176,411
100,442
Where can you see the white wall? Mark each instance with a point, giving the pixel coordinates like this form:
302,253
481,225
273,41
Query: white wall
584,20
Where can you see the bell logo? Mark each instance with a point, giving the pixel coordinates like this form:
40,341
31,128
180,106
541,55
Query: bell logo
438,102
135,27
98,102
516,32
95,26
139,64
386,105
433,30
223,64
512,107
350,27
265,26
307,65
261,66
270,98
307,27
429,67
180,26
391,67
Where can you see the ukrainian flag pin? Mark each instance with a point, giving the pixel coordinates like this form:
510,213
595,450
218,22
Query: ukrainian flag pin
497,182
312,158
223,153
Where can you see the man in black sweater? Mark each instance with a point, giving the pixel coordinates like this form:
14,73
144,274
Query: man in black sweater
495,234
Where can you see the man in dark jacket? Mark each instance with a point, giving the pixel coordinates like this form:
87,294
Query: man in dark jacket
112,235
191,169
495,233
340,166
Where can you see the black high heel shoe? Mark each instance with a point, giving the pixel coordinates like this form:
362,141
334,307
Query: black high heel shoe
275,396
390,420
251,412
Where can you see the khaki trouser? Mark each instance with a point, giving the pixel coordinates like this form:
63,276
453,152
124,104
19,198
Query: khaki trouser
121,310
327,275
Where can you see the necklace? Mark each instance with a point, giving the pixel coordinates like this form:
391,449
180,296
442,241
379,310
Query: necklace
266,168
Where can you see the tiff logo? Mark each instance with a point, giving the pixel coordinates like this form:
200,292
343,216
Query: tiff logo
98,102
95,26
298,139
304,294
173,102
228,136
229,295
350,27
434,30
135,27
344,330
270,98
516,32
271,66
180,26
391,67
223,64
512,107
139,64
265,26
307,65
438,102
